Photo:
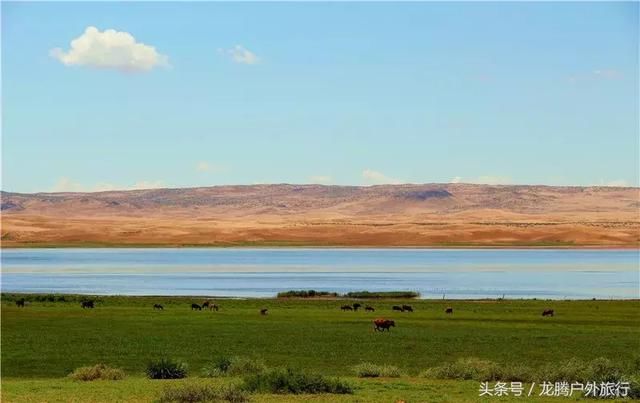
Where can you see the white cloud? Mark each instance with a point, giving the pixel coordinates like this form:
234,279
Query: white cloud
205,166
493,180
240,54
147,185
599,74
321,179
484,180
65,184
375,177
613,183
110,49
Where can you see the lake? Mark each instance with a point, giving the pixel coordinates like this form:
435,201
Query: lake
242,272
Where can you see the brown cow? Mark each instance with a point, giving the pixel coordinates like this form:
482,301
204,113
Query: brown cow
214,307
382,324
346,308
547,312
205,304
449,310
264,311
369,308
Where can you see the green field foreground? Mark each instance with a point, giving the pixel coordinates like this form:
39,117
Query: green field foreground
43,342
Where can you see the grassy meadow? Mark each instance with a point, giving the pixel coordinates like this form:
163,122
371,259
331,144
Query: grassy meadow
45,341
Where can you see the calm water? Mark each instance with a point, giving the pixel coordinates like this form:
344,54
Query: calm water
264,272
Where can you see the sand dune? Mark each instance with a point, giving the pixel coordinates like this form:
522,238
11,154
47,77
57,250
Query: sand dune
388,215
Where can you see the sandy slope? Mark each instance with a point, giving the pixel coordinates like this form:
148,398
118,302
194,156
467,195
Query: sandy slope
389,215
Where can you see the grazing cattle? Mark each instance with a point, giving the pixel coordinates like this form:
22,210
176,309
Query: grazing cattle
20,303
87,304
205,304
158,307
407,308
264,311
214,307
346,308
383,324
547,312
356,306
397,308
449,310
369,308
196,307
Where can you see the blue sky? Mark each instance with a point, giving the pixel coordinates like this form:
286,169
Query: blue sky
337,93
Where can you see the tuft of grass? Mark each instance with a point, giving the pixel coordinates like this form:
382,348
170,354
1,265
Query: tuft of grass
166,368
98,371
466,369
233,366
370,370
194,393
291,381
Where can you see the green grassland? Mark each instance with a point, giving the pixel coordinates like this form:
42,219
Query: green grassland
45,341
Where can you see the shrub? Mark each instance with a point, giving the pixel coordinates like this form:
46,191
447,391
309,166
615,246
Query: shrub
369,370
603,370
166,368
187,393
466,368
572,370
306,294
233,366
285,381
634,386
98,371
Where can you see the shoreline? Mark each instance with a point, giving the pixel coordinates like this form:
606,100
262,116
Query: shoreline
6,294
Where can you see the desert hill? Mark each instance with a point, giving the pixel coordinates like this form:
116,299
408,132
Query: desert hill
386,215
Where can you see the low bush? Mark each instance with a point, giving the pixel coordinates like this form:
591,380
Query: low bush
290,381
166,368
382,294
193,393
233,366
98,371
634,386
306,294
369,370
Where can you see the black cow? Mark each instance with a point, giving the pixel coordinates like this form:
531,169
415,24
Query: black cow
449,310
196,307
548,312
20,303
397,308
264,311
407,308
158,307
369,308
346,308
87,304
356,306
